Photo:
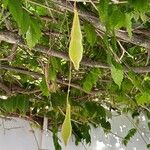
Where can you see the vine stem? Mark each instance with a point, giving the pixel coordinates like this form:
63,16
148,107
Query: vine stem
75,4
70,67
68,92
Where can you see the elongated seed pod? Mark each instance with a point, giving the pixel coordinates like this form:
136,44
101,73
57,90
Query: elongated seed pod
66,127
76,47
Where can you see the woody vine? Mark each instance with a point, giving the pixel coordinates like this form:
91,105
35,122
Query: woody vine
38,74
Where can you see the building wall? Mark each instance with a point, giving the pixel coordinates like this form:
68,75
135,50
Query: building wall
17,134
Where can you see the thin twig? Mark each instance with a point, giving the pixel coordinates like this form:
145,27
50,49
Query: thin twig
41,5
68,92
49,10
123,51
5,88
39,75
93,4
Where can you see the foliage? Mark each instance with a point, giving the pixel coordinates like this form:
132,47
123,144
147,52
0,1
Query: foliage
91,79
130,134
113,37
117,74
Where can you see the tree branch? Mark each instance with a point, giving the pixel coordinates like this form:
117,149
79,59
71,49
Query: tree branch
23,71
14,90
39,75
94,20
12,38
5,88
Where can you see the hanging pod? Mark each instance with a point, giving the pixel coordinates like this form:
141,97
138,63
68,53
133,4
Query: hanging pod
76,47
66,127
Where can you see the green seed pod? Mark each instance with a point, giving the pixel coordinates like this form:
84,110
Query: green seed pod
76,47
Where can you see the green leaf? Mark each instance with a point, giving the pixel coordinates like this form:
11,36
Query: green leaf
128,23
94,110
148,146
140,5
44,88
5,3
8,105
127,86
22,104
105,124
58,99
52,74
24,22
21,16
112,16
54,67
91,79
128,137
56,143
136,80
115,16
16,103
66,127
90,33
41,11
76,46
117,74
33,34
149,125
143,98
82,132
103,10
55,62
15,8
